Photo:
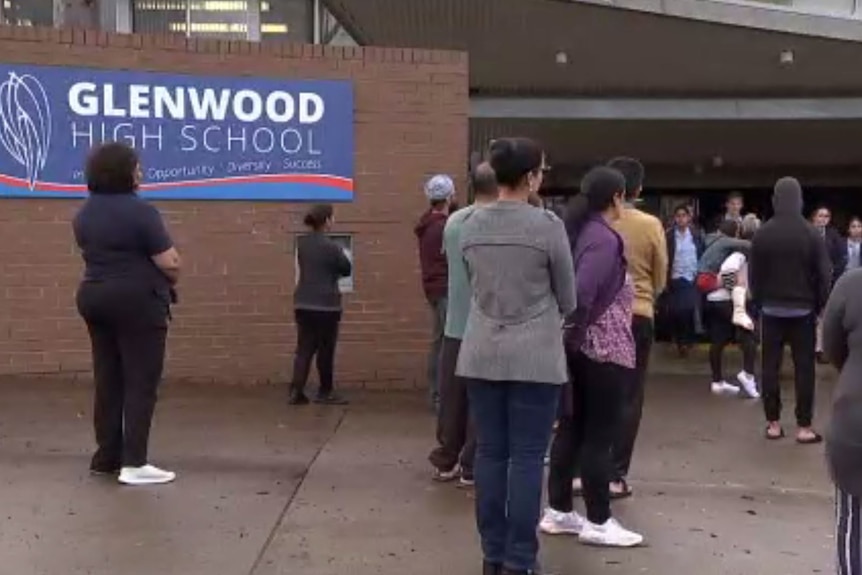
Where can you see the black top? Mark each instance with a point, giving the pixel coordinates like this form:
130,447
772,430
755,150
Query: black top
322,263
790,266
118,235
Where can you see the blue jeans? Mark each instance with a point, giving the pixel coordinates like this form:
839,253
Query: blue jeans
513,425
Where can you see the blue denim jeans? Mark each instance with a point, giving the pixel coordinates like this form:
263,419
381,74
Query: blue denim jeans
513,425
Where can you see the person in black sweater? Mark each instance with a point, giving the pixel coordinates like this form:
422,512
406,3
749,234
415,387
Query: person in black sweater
317,306
789,280
837,250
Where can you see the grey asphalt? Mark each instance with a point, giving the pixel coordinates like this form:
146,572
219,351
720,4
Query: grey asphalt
265,489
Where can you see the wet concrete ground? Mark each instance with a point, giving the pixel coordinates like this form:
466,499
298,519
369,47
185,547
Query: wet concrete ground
267,490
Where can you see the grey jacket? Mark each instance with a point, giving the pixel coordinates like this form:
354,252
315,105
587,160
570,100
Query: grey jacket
842,344
719,249
523,283
322,263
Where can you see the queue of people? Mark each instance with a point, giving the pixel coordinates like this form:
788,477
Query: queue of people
583,384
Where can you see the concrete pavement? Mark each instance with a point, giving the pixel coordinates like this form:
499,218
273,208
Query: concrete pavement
267,490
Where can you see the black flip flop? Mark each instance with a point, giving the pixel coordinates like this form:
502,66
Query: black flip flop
814,440
771,437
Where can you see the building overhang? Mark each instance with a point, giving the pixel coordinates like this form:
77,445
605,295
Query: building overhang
561,47
666,109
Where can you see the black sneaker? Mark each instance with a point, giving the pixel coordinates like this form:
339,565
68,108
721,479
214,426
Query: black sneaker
331,399
297,399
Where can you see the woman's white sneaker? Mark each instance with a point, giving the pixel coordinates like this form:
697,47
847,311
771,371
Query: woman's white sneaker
611,534
146,475
559,523
724,388
749,384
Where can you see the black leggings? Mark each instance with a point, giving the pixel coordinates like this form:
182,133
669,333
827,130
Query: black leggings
587,436
722,331
317,334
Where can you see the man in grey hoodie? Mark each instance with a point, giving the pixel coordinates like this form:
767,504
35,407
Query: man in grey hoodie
790,278
842,336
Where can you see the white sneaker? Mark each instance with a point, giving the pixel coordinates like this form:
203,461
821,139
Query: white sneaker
146,475
559,523
611,534
749,384
446,476
724,388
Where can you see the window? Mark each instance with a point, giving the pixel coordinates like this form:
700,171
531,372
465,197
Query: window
160,16
227,19
286,20
27,12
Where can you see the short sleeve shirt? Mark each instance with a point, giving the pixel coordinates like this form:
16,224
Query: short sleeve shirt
118,235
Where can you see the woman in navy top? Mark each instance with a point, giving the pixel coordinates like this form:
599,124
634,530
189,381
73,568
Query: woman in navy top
131,268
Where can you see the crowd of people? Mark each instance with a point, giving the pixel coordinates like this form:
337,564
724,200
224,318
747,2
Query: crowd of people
543,328
549,323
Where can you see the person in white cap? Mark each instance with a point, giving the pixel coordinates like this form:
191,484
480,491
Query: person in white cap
440,191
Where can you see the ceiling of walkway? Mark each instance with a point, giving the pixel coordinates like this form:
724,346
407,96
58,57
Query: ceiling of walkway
514,44
700,150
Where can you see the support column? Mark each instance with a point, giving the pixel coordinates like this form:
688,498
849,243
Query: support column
116,15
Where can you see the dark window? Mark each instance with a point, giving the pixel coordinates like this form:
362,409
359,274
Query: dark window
286,20
28,12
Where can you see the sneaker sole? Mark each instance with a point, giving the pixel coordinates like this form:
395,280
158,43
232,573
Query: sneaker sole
594,543
557,531
142,483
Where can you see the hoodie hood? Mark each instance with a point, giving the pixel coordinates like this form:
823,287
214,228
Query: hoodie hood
429,219
787,197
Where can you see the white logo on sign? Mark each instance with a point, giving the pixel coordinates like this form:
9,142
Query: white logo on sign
25,123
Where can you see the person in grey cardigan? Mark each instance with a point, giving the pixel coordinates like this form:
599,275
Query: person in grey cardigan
842,345
522,279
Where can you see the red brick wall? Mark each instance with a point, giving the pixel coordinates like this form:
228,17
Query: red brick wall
234,323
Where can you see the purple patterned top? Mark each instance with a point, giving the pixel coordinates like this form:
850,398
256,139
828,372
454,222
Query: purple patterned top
610,339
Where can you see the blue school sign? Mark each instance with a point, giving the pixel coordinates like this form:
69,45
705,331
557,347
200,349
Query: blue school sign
201,138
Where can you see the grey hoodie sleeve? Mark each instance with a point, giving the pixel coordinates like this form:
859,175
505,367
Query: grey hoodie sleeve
834,334
562,268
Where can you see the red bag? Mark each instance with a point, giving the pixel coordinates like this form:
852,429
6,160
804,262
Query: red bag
707,282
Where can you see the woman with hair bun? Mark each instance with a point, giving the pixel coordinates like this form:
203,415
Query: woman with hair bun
512,358
317,306
600,350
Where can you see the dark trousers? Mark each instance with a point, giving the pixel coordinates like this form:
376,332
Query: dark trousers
586,437
722,332
317,335
800,333
633,399
848,533
513,428
438,325
128,331
455,433
682,306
